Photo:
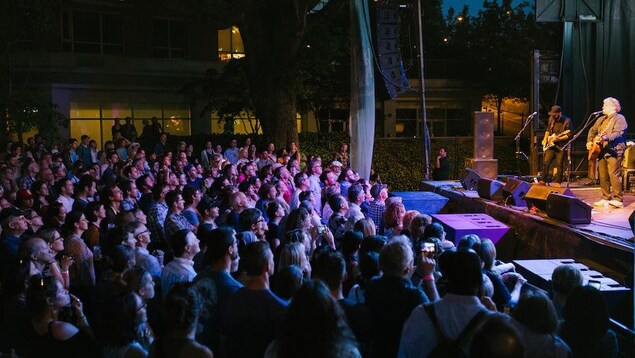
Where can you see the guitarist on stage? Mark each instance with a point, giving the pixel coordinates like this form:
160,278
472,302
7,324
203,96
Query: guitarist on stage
607,135
557,133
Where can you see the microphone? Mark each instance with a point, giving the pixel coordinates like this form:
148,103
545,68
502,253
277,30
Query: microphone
533,114
596,113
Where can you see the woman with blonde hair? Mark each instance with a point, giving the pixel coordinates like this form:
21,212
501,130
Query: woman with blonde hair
393,218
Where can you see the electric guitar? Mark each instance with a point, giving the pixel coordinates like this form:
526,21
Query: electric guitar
550,141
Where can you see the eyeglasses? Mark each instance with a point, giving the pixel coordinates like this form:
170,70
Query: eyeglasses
141,233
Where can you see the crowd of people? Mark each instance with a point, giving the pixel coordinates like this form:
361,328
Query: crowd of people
141,249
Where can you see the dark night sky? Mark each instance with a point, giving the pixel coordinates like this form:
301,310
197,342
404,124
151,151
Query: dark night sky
475,5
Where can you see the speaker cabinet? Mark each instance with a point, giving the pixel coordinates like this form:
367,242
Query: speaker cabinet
470,181
486,168
514,192
629,158
484,135
490,189
537,195
568,209
388,49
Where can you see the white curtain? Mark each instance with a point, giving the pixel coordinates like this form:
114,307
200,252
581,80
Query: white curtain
362,109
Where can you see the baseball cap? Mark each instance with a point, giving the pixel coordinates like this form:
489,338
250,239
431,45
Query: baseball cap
336,163
555,110
9,214
206,203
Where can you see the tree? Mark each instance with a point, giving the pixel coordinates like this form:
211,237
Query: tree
499,41
273,33
227,97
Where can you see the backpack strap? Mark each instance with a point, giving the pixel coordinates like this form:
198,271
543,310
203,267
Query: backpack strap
472,325
429,308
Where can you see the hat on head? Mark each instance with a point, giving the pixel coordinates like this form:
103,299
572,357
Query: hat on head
336,163
206,203
9,214
23,194
376,189
555,110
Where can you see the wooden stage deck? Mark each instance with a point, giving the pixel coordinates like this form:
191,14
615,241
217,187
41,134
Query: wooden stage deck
607,240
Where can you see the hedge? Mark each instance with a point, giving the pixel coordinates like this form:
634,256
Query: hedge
399,162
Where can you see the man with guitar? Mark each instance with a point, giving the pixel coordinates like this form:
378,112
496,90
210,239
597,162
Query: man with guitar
606,141
558,130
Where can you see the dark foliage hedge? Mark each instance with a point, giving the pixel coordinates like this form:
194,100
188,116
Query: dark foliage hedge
398,161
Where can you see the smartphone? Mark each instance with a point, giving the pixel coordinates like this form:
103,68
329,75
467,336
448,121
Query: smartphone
428,247
595,284
321,229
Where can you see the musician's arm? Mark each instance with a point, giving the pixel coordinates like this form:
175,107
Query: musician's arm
592,132
618,129
566,127
544,140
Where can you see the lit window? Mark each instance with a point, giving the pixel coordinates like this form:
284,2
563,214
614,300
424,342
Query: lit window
230,44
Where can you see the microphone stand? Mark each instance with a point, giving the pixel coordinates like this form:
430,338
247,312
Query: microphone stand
519,153
569,143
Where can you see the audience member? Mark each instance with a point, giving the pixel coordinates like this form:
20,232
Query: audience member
564,279
314,310
185,245
453,313
536,320
182,311
586,324
392,297
253,314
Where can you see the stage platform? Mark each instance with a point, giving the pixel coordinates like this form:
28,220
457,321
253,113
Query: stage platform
607,240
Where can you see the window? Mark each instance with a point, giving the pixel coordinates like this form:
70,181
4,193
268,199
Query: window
333,119
230,44
96,119
169,38
245,123
92,32
406,124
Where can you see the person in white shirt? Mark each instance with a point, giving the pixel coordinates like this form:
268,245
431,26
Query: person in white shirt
65,188
185,246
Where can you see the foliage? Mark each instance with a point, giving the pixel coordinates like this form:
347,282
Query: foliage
28,112
403,172
227,95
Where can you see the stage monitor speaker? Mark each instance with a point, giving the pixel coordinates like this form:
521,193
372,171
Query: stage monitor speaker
514,192
537,195
486,168
629,158
490,189
568,209
484,135
470,182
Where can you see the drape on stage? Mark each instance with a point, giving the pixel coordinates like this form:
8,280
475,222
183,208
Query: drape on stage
362,106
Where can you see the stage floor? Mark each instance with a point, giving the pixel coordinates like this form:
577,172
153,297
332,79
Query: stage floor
611,224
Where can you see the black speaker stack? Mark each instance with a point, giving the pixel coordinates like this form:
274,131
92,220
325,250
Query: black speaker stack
558,203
